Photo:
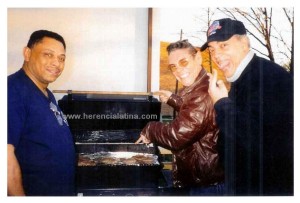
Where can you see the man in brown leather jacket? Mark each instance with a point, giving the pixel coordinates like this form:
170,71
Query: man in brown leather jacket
192,136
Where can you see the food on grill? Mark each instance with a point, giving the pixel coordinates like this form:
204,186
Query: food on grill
139,157
85,161
117,158
144,159
130,161
108,160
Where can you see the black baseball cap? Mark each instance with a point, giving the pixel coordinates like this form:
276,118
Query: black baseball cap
222,30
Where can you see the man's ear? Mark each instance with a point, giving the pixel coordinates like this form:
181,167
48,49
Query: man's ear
245,41
26,53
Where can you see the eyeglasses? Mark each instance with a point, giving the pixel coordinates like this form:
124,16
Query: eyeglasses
181,63
57,114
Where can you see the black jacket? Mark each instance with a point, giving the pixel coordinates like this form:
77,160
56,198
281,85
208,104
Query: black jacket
256,124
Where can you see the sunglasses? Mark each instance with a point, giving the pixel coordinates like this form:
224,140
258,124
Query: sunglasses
57,114
181,63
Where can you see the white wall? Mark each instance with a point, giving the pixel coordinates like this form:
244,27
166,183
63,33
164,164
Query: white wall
156,33
106,47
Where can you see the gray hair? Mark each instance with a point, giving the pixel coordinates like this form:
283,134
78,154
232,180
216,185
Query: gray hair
240,37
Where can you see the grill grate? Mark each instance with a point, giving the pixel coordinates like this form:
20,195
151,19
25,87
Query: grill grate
106,136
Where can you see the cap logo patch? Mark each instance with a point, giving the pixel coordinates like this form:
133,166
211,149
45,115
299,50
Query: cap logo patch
213,28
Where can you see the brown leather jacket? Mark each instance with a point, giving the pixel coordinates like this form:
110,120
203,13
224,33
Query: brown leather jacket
192,136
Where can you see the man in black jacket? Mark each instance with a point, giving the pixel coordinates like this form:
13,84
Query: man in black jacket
255,117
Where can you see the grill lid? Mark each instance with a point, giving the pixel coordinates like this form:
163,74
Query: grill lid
108,118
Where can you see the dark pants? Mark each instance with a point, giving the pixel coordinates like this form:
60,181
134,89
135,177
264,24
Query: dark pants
213,190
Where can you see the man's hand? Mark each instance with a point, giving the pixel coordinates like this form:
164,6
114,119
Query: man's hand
164,95
142,139
217,89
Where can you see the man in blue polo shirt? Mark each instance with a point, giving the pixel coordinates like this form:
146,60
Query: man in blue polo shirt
40,148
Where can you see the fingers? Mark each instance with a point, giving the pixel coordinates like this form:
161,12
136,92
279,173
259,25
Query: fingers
217,88
164,99
164,95
160,94
214,76
220,84
142,139
222,88
139,140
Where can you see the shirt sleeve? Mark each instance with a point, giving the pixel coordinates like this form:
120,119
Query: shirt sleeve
16,114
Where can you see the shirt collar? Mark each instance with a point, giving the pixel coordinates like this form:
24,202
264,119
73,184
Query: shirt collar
241,67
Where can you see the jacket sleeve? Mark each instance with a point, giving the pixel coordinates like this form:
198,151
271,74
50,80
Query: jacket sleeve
225,117
175,101
192,122
238,123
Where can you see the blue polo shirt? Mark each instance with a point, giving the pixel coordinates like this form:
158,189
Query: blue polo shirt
42,139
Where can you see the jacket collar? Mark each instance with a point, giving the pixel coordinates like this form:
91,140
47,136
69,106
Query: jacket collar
246,70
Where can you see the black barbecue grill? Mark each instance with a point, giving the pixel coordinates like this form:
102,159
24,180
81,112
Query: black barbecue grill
109,124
